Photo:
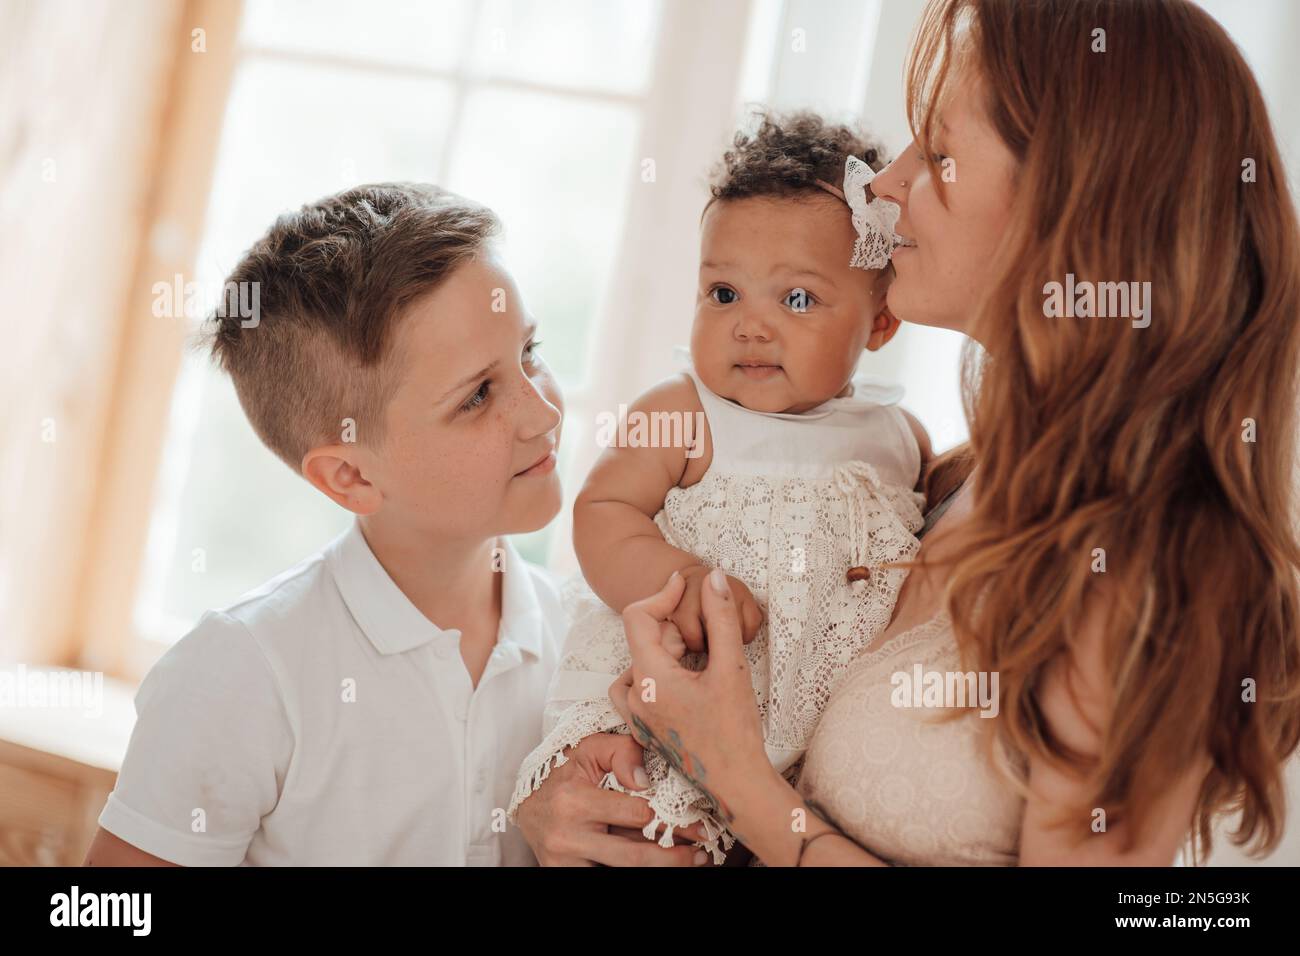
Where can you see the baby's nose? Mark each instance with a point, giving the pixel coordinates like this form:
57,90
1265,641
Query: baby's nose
751,329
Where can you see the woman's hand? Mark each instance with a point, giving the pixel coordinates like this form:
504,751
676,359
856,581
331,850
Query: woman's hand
570,821
705,723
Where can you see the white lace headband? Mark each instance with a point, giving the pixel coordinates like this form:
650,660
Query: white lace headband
873,220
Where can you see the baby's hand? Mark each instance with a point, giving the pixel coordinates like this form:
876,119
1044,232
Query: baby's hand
689,616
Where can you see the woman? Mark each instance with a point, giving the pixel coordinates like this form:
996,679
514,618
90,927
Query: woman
1119,551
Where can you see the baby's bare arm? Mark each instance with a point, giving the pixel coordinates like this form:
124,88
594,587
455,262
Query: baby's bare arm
622,553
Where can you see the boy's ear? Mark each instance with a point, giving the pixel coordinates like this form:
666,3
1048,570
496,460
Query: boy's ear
883,327
335,471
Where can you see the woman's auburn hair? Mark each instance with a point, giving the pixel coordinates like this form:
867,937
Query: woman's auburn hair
1133,164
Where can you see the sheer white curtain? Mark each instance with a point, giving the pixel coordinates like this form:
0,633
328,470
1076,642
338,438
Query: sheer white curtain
81,90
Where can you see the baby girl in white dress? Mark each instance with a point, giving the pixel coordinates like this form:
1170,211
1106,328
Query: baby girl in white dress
772,462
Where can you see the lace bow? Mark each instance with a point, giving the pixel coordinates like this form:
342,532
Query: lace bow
874,220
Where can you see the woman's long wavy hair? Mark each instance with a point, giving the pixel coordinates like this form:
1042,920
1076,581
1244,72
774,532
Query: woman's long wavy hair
1170,447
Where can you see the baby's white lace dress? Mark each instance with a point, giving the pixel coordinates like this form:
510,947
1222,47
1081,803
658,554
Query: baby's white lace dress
789,503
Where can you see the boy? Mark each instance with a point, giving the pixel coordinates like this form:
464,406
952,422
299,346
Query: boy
325,718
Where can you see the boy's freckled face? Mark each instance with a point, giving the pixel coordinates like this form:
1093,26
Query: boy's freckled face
476,419
781,319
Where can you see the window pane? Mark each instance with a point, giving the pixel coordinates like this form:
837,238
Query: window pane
601,44
229,514
295,133
429,33
557,170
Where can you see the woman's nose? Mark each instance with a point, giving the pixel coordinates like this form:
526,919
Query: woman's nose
892,182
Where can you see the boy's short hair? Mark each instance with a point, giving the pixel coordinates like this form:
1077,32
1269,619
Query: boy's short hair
787,153
332,280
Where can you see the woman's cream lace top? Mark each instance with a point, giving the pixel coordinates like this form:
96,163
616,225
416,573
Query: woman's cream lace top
912,790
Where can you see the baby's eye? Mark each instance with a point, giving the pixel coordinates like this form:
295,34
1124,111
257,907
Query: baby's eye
478,398
531,352
798,300
938,158
723,295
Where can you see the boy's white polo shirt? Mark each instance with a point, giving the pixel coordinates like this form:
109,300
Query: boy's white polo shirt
324,720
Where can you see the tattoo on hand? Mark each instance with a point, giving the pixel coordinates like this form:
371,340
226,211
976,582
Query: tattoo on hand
685,763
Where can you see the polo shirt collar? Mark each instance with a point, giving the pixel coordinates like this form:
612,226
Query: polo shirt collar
522,620
394,625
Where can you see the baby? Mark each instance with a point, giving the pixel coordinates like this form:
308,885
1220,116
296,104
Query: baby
799,482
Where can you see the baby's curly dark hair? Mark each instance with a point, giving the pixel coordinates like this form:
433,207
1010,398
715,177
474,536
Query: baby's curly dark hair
787,153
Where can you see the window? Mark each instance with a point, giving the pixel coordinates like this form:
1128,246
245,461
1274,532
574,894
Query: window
532,108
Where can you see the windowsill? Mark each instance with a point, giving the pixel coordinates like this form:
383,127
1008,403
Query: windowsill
95,737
